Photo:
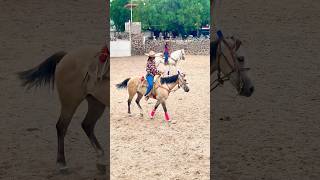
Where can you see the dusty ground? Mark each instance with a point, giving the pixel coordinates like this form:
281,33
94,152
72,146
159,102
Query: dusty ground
149,149
31,31
274,134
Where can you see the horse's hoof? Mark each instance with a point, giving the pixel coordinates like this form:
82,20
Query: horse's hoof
101,167
152,114
167,117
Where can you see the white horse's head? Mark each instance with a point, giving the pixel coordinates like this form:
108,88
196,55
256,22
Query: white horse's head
159,54
178,55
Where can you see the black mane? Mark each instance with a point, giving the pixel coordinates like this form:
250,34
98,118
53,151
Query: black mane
170,79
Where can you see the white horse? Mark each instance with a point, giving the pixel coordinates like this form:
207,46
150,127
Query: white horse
173,60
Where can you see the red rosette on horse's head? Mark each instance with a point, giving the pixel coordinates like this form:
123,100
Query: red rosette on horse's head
104,54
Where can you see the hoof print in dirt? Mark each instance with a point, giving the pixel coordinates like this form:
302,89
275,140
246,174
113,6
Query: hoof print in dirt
64,170
226,118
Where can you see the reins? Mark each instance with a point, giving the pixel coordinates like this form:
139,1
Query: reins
174,89
235,67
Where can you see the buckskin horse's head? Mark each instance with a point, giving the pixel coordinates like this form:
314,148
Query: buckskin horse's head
230,62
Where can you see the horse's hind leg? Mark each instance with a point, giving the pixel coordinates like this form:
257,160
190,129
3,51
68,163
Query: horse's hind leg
129,103
166,115
131,95
138,103
95,110
67,112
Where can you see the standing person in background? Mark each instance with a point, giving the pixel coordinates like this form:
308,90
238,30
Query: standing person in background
166,53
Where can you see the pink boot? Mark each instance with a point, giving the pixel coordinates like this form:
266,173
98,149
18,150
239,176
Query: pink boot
166,115
152,113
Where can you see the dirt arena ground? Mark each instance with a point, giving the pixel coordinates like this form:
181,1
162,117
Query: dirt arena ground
274,134
31,31
149,149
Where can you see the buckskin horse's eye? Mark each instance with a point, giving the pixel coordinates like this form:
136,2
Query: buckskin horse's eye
240,59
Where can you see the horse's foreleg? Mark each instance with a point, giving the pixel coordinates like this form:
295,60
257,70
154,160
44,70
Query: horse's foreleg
166,115
138,103
95,110
153,112
62,126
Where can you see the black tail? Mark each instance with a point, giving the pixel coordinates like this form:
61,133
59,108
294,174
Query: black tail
43,73
124,84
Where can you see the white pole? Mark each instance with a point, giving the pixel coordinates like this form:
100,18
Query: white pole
130,28
131,10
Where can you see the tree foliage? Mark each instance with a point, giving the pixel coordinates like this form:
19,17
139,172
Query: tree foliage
176,16
119,14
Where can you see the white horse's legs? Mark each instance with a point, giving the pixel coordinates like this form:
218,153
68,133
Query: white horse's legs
169,69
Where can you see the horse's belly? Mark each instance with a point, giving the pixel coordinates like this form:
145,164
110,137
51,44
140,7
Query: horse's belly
100,90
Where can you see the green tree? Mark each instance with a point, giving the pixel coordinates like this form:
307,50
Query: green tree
176,16
119,14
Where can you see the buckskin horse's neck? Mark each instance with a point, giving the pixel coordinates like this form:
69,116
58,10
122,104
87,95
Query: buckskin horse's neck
170,86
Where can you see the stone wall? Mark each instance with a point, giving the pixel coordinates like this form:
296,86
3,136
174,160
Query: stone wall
137,46
192,46
119,35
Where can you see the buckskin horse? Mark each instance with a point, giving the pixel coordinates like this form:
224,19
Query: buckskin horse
227,60
161,90
82,74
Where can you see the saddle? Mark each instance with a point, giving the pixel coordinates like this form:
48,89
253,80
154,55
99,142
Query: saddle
144,85
100,67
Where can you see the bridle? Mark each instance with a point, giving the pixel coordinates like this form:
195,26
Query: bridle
176,87
234,65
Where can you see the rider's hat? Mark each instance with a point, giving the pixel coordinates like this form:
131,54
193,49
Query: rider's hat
151,54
